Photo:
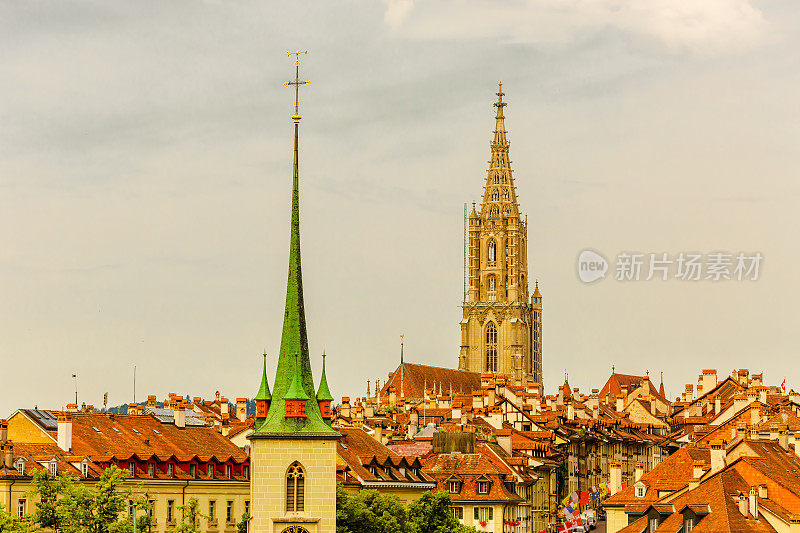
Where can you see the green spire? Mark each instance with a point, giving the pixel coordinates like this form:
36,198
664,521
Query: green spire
323,393
263,391
296,391
293,375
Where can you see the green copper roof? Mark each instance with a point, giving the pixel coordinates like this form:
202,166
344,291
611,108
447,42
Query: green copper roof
296,391
263,391
323,393
294,340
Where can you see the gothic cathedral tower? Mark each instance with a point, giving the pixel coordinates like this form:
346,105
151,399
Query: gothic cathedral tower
293,447
501,328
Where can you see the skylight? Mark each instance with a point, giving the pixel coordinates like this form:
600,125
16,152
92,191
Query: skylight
97,430
136,431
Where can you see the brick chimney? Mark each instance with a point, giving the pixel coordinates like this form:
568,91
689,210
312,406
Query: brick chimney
241,409
504,439
698,469
64,435
754,502
743,504
718,453
615,476
179,413
8,453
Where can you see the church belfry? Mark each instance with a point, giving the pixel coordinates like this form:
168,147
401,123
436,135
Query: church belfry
293,447
501,327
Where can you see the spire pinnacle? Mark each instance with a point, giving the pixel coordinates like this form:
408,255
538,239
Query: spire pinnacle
263,391
323,393
500,104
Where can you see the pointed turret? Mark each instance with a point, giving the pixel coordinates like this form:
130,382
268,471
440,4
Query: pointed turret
324,397
661,387
296,397
263,396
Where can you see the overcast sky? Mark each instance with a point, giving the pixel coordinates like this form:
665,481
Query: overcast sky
145,155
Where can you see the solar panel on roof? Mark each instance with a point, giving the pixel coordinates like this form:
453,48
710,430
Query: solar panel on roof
45,418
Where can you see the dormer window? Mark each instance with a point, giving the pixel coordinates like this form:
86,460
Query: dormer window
20,466
246,471
640,490
85,468
52,467
482,487
454,486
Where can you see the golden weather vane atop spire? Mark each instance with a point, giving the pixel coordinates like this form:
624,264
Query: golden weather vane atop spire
296,82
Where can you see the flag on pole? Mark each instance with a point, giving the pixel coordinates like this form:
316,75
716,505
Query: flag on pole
585,497
783,385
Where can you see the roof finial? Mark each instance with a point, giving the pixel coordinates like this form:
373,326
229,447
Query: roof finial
297,83
500,104
612,369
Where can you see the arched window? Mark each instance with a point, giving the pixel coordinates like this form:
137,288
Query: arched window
497,178
493,212
492,251
505,195
295,488
491,348
495,195
492,288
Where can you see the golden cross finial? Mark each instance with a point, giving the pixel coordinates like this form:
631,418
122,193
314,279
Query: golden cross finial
297,83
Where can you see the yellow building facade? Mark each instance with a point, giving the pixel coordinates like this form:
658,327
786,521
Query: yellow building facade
501,326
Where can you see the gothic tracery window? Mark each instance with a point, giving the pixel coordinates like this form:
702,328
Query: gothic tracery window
495,196
492,251
505,195
491,348
493,212
295,488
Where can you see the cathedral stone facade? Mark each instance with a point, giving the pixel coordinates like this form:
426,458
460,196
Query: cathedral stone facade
501,327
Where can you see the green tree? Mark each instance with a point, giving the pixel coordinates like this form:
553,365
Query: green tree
190,518
51,490
370,512
242,526
96,509
431,514
10,523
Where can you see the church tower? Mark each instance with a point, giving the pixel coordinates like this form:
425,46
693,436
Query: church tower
501,327
293,447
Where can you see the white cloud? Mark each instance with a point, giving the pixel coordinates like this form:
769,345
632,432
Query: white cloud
706,26
397,11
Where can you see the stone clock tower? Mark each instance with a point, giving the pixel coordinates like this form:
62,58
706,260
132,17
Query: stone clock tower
501,327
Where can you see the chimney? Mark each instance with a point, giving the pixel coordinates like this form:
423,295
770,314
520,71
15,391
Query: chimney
224,408
197,400
797,444
743,504
754,502
698,469
72,407
794,523
570,411
378,434
504,439
783,437
8,453
64,435
762,492
620,404
741,432
717,405
151,400
718,453
179,413
241,409
615,476
3,430
345,409
762,395
637,472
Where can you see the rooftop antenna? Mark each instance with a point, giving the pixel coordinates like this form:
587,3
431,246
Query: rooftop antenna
402,376
134,384
75,378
